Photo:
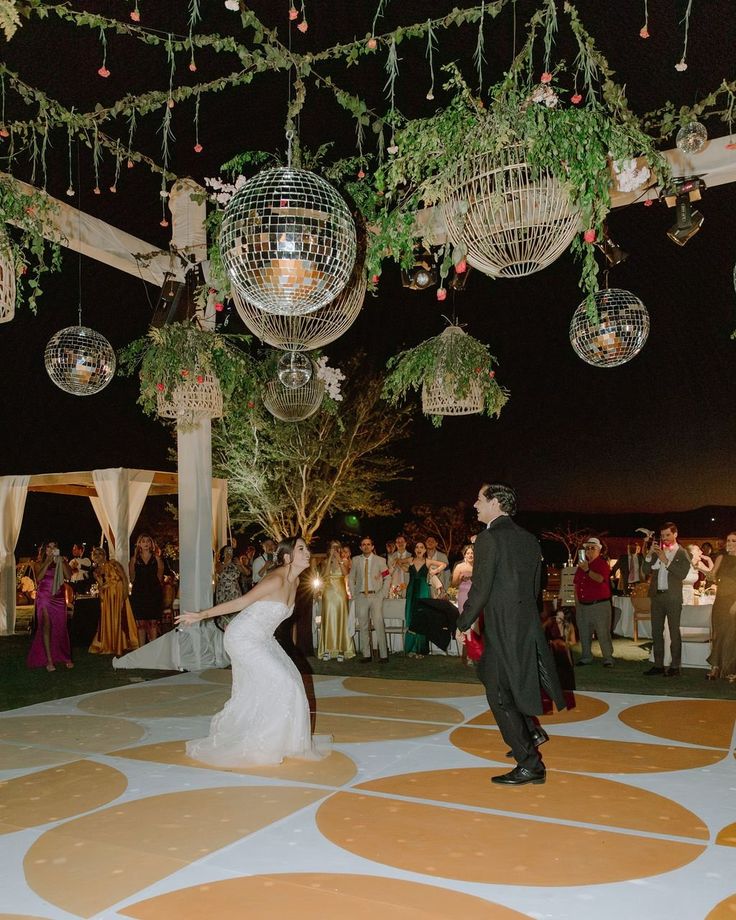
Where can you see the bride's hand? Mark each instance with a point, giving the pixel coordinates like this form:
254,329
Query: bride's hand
186,619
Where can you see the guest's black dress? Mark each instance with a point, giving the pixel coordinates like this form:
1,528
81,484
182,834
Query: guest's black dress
147,598
723,653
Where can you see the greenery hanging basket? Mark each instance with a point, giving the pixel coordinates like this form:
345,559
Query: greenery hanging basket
455,373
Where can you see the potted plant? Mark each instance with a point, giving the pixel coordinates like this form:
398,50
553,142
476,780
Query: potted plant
455,373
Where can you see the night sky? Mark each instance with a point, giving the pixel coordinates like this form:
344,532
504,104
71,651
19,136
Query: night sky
657,433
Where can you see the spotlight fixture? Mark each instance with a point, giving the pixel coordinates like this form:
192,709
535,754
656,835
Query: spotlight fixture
611,251
423,274
688,221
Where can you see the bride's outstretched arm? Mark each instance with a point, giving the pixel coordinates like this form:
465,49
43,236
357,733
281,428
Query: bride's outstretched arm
264,590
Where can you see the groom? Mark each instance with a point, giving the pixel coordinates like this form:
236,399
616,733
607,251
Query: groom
516,659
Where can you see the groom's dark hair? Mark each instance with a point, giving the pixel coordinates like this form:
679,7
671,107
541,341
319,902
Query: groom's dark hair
504,493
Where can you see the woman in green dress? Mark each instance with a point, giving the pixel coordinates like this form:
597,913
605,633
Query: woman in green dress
421,571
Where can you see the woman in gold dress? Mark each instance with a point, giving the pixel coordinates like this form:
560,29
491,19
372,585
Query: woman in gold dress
117,632
334,641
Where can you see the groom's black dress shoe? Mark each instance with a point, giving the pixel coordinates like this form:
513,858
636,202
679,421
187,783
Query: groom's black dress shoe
539,736
520,776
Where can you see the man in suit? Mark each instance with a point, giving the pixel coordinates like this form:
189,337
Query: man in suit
516,660
669,565
367,574
398,566
627,571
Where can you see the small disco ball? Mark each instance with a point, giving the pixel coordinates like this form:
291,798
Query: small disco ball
691,138
288,241
79,360
294,369
618,336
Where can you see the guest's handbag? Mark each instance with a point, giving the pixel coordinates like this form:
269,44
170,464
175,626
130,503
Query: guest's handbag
474,642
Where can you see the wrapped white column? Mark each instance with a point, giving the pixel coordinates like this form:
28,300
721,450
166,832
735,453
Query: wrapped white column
194,446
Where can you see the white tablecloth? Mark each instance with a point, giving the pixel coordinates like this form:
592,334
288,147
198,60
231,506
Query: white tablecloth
694,628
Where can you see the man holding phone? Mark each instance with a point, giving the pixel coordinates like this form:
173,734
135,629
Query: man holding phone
669,565
593,602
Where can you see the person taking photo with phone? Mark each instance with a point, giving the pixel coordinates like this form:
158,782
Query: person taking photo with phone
593,602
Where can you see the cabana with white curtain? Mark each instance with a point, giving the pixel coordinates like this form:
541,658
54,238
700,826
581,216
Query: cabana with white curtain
117,496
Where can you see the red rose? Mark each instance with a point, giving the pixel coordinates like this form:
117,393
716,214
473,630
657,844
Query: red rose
576,99
103,71
643,32
219,307
589,236
293,13
200,378
462,266
160,387
303,26
441,294
198,148
546,77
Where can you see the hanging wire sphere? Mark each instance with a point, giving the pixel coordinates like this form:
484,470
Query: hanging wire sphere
7,281
293,405
312,330
691,138
618,336
288,241
512,221
79,360
294,369
192,400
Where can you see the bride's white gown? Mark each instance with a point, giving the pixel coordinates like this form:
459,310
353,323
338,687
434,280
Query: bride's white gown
267,716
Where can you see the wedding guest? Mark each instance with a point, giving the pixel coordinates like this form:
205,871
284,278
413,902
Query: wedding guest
334,639
626,573
50,645
421,571
146,571
436,555
81,569
367,574
593,603
266,561
228,575
723,654
462,576
246,561
117,632
398,568
668,564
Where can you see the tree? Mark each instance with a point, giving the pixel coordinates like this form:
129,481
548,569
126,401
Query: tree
449,524
571,539
286,477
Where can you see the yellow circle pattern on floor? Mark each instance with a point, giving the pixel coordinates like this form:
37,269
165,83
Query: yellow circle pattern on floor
335,770
390,708
353,730
726,910
158,702
58,793
591,755
587,707
82,734
424,689
313,896
727,836
707,722
493,849
125,848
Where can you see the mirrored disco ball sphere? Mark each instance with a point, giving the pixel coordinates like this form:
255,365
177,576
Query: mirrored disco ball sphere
691,138
294,369
79,360
288,241
618,336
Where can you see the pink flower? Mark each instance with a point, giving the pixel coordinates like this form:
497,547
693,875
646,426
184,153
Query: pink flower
648,203
374,279
113,188
546,77
170,103
163,223
462,266
589,236
371,44
135,15
293,13
160,387
192,66
200,378
103,71
361,174
219,307
96,190
576,99
491,374
644,32
441,294
131,164
303,26
4,132
198,148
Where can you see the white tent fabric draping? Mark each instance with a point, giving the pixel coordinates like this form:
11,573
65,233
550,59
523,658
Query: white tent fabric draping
13,491
121,494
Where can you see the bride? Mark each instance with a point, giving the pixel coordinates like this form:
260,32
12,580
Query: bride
267,716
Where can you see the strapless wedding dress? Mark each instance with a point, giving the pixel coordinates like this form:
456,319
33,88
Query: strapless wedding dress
267,716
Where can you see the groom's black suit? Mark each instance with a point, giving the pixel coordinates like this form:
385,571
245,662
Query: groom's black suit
516,660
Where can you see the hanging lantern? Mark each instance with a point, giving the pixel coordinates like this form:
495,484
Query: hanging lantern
294,369
618,335
439,394
512,221
190,400
293,405
80,360
7,281
691,138
288,241
311,330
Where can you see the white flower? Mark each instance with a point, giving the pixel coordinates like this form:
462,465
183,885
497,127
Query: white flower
331,377
224,191
681,65
546,95
629,177
233,5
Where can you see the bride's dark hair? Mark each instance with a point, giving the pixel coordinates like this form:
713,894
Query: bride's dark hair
286,548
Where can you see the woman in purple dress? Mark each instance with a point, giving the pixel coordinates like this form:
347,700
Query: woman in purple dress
50,644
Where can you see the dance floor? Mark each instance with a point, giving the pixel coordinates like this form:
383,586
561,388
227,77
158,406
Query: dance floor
103,815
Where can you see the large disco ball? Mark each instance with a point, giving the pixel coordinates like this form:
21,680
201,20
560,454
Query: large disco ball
288,241
618,336
79,360
691,138
294,369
